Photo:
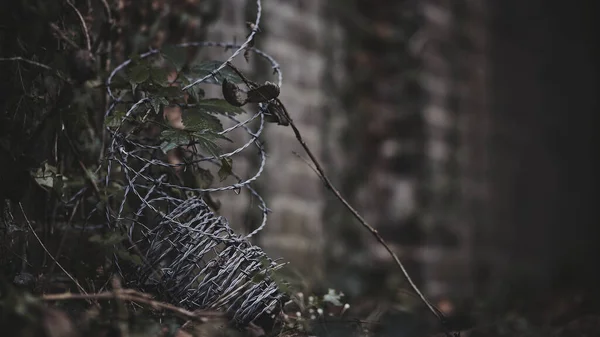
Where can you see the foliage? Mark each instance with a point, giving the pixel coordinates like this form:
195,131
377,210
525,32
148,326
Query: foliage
56,119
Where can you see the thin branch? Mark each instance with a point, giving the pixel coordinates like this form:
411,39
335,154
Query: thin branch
133,296
41,65
48,252
18,58
62,35
363,222
63,238
88,44
321,173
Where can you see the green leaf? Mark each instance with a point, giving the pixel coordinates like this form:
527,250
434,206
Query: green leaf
159,76
195,119
226,168
207,142
218,106
175,55
197,71
155,102
115,119
139,74
195,92
119,82
173,138
170,92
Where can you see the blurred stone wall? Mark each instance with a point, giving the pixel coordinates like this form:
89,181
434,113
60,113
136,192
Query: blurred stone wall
296,35
391,97
416,142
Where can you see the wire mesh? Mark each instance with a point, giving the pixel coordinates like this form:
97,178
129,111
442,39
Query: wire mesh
191,256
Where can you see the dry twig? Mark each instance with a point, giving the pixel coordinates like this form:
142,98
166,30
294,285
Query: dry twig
86,34
48,252
327,182
133,296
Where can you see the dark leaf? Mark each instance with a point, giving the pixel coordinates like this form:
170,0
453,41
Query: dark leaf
218,106
232,94
200,70
195,92
264,93
159,76
175,55
139,74
226,168
206,141
109,239
173,138
195,119
156,104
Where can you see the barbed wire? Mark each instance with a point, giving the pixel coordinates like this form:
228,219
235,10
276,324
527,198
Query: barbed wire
190,255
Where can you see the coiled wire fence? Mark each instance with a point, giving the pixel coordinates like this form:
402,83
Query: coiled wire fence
190,256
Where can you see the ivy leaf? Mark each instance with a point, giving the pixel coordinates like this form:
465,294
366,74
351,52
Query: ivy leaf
218,106
175,55
139,74
196,93
226,168
264,93
197,71
195,119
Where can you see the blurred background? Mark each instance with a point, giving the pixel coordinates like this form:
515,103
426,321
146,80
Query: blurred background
461,130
